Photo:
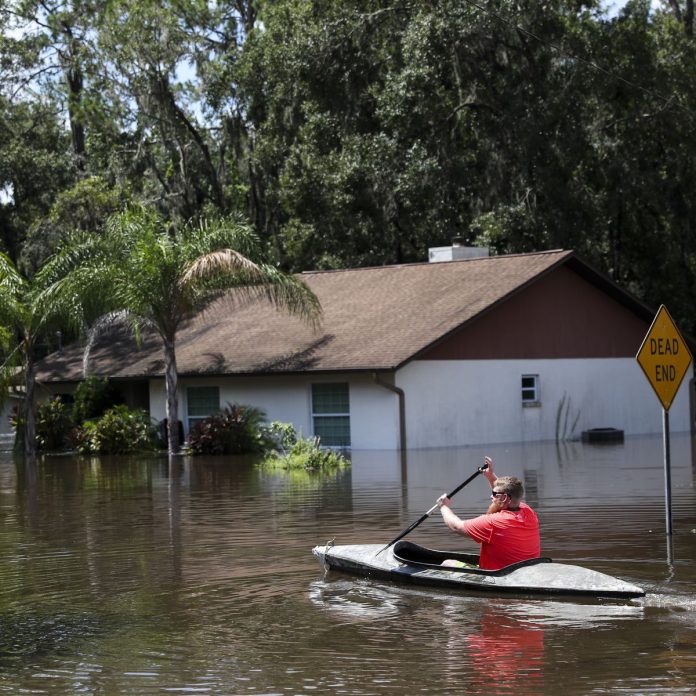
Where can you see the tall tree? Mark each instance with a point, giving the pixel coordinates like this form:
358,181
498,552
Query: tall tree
154,278
172,66
361,132
30,308
34,167
383,128
56,37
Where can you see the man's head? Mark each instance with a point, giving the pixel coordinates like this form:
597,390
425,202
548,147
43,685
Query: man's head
508,489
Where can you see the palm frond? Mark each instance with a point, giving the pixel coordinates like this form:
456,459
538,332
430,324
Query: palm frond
231,232
12,283
11,370
14,291
11,361
218,265
227,269
78,250
290,293
285,292
107,322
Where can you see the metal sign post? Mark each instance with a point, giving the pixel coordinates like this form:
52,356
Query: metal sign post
668,474
668,485
665,358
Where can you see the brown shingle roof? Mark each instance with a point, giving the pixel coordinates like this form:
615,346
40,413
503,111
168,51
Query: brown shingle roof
373,319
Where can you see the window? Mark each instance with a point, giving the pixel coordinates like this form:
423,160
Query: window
331,414
530,390
202,402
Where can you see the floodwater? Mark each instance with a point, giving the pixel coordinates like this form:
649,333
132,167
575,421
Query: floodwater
195,576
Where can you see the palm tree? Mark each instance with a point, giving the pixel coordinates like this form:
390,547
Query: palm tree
152,277
30,308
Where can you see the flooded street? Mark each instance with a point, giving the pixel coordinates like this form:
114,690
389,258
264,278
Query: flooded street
195,576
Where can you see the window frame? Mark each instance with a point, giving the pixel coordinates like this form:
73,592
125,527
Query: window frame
191,420
530,395
318,415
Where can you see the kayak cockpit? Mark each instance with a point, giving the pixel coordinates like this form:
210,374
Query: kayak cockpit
415,555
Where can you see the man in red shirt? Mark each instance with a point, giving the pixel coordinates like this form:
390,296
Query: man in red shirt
508,532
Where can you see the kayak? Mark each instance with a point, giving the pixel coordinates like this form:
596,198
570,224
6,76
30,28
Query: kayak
409,562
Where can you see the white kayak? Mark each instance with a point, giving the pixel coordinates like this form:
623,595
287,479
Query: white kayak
408,562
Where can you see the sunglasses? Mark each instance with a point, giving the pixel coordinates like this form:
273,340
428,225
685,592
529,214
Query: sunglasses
495,494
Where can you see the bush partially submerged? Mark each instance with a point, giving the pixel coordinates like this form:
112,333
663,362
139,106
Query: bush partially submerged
237,429
295,452
93,397
118,431
53,423
240,429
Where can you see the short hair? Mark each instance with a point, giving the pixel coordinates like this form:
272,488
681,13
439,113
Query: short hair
510,485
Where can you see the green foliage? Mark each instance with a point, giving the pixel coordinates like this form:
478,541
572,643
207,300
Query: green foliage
283,435
386,128
53,424
237,429
34,167
118,431
85,207
298,453
93,396
356,132
31,307
143,273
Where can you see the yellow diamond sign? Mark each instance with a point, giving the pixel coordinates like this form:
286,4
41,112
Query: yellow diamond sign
664,357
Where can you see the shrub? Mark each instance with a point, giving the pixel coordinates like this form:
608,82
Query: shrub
53,423
302,453
118,431
282,435
93,397
237,429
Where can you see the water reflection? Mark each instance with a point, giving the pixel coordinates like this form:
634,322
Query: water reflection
149,575
504,652
484,645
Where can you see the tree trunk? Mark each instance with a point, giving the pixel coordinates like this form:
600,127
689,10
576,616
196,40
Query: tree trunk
30,408
689,18
70,58
162,91
171,380
686,17
77,128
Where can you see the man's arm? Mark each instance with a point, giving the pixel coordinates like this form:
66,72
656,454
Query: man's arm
488,471
448,515
479,528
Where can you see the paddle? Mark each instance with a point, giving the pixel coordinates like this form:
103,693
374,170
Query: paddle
424,517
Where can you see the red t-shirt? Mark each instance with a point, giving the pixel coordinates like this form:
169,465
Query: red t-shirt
506,537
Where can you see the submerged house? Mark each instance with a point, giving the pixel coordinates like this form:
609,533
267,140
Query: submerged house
496,349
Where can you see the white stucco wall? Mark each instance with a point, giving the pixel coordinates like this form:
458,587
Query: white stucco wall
456,403
284,399
373,409
451,403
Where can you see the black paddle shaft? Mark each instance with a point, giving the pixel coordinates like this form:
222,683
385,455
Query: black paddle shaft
425,516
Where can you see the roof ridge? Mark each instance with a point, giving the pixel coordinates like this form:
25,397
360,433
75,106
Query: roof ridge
438,263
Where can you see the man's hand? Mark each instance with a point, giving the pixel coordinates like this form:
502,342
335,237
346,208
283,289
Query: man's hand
443,500
488,472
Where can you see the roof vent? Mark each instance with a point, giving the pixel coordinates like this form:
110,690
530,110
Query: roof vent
456,252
